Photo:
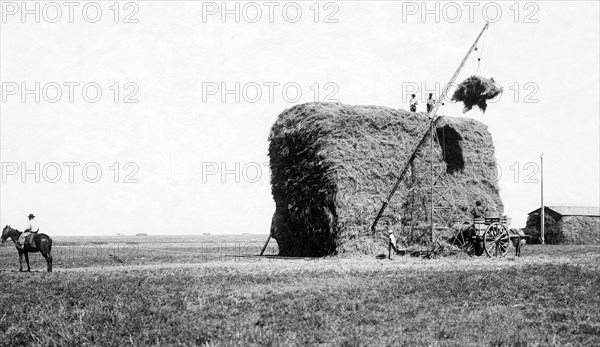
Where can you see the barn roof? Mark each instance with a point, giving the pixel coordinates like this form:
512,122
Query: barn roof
572,210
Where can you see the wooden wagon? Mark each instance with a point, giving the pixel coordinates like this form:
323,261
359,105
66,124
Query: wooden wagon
490,235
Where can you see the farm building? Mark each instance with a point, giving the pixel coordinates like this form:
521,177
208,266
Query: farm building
566,225
332,165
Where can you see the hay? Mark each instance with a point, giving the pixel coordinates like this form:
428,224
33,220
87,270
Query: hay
552,234
475,91
332,166
580,230
566,230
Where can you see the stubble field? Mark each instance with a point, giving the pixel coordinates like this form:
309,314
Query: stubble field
213,290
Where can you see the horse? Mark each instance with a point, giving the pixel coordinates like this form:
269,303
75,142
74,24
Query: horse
41,243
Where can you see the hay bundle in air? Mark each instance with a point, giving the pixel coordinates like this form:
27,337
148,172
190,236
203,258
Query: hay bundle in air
476,91
332,165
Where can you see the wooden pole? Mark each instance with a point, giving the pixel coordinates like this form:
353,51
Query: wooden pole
542,209
432,181
265,246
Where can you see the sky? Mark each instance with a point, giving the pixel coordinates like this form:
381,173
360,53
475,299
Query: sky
153,116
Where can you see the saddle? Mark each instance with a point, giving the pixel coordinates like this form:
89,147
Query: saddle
29,240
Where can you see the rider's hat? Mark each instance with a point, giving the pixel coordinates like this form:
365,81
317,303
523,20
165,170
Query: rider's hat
31,215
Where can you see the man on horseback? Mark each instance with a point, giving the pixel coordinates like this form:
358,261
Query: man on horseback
32,228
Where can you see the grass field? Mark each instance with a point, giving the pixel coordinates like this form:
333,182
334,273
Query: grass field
212,290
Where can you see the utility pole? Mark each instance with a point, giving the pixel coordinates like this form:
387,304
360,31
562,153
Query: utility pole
542,209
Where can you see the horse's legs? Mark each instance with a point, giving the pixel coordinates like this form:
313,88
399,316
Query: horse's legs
20,261
27,260
48,257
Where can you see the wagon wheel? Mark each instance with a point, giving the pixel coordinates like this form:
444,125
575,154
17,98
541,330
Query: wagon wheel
463,241
496,240
468,249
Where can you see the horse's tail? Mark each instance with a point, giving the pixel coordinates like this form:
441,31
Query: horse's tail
49,244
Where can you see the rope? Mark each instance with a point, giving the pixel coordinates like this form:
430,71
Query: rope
437,139
443,143
479,71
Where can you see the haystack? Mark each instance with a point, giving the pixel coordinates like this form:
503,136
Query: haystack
332,165
552,231
476,91
573,225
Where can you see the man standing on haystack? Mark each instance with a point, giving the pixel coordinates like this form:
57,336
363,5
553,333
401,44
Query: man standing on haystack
392,244
32,228
430,102
413,103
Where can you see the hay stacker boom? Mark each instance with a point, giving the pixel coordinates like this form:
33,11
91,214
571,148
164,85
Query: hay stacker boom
434,121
